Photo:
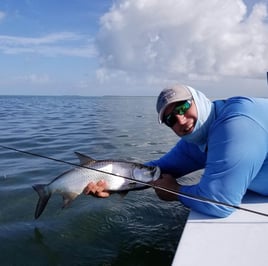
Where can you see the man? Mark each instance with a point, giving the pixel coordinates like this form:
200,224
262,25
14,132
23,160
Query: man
227,138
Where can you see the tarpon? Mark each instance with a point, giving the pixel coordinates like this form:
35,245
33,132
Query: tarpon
70,184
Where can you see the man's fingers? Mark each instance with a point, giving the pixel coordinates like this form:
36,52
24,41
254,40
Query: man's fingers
103,194
97,189
89,188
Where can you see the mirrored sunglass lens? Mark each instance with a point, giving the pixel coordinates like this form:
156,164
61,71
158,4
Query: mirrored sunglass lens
182,109
170,120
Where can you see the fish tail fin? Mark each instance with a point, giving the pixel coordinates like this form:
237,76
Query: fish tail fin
44,196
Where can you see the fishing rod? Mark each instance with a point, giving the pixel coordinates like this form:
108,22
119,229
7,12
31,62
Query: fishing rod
181,194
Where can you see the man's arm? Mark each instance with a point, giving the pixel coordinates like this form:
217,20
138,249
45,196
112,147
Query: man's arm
169,182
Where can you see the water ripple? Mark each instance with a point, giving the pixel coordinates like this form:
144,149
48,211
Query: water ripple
136,228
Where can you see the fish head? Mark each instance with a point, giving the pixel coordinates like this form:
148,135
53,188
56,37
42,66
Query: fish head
146,173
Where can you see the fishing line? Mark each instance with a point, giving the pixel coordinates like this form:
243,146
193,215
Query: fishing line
182,194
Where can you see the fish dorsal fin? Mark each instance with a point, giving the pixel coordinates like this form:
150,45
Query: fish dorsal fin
84,158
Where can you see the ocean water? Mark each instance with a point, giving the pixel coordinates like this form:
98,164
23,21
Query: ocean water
138,229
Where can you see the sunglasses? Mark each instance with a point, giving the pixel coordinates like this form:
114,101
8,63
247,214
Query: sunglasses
180,109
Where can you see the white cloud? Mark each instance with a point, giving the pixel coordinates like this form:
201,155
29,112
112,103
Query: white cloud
2,15
48,39
194,40
56,44
34,78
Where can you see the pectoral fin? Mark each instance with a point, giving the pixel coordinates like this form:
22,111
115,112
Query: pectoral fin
123,193
68,198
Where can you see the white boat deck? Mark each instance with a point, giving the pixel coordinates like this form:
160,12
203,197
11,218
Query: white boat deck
238,240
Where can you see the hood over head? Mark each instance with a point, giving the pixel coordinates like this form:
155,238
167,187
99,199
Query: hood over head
205,111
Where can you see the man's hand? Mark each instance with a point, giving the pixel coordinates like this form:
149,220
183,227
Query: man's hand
97,189
168,182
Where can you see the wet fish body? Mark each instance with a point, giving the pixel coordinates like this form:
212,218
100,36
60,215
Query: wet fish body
72,183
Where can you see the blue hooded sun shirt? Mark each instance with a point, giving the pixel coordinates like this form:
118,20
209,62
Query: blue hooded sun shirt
230,142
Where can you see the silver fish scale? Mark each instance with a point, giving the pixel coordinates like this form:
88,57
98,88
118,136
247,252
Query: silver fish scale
119,176
135,171
75,180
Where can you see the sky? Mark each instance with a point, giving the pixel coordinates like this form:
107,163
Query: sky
133,47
